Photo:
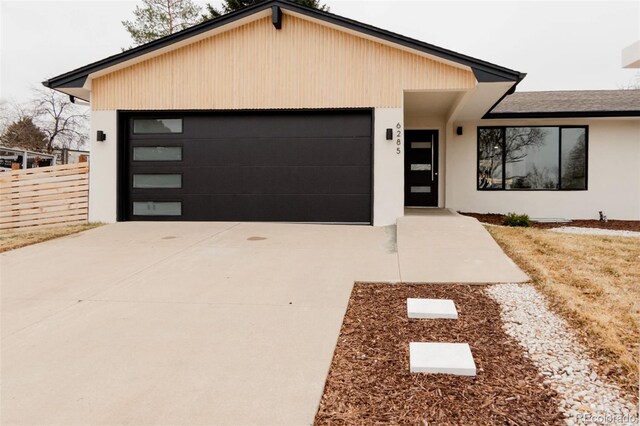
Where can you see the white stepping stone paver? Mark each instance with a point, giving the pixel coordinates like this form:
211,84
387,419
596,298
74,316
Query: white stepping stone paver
431,308
444,358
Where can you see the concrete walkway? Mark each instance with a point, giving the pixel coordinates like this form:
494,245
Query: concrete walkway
194,323
441,246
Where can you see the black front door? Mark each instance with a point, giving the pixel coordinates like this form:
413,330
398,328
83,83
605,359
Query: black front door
421,168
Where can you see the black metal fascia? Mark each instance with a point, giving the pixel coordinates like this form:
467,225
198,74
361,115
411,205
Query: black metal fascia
484,71
484,76
78,82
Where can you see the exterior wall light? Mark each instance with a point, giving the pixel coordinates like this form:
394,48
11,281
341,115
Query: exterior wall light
101,136
459,131
389,134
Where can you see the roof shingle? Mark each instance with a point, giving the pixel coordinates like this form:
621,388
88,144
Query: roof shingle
578,101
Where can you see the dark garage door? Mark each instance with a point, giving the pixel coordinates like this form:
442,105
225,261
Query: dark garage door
249,166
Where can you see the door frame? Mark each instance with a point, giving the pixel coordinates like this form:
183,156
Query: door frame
440,187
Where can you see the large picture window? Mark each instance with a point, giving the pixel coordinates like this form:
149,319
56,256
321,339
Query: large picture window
532,158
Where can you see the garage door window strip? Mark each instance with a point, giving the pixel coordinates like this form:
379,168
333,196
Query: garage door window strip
156,126
157,208
143,181
157,153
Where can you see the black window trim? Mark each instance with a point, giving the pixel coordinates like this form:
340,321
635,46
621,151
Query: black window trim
504,158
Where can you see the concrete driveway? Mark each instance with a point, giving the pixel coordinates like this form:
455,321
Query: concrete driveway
182,323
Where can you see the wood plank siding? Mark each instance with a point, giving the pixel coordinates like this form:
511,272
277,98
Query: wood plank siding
255,66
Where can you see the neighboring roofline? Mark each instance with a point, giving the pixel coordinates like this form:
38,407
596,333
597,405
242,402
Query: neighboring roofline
21,151
560,114
511,91
484,72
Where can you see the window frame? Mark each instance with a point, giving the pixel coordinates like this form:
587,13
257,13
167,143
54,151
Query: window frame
504,158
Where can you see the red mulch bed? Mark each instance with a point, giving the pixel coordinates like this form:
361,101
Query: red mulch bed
370,383
621,225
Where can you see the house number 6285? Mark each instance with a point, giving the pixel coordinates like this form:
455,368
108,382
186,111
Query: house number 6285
398,139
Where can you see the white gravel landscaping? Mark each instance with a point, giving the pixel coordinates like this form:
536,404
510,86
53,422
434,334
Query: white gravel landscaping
585,399
595,231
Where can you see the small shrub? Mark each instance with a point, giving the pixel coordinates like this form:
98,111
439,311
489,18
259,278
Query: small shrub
513,219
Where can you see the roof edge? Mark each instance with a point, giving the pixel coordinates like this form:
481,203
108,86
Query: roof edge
561,114
511,91
487,71
151,46
483,70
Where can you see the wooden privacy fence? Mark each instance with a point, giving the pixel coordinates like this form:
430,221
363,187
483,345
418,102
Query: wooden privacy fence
56,195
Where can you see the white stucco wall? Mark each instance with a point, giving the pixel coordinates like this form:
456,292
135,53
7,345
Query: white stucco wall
388,176
388,167
103,168
613,175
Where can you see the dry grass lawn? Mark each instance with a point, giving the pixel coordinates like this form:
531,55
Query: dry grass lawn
594,282
10,240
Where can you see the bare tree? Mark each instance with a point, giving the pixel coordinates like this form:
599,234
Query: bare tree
538,177
64,123
5,116
573,167
633,84
518,140
490,155
5,111
514,142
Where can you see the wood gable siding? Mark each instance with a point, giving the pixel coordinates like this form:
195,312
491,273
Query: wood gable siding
303,65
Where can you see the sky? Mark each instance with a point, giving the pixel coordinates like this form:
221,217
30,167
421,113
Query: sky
572,45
